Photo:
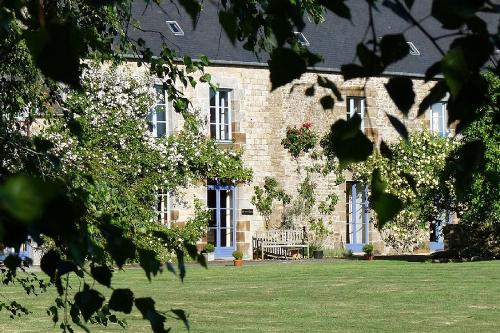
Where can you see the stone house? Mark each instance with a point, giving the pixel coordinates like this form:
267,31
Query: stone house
245,114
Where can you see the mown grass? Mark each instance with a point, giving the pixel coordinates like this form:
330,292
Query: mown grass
330,296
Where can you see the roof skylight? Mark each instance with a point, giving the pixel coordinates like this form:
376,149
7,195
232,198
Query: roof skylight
413,49
175,28
301,38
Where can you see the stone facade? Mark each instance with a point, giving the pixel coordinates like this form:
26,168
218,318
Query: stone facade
259,121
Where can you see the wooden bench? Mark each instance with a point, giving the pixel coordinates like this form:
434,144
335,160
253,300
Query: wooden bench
278,242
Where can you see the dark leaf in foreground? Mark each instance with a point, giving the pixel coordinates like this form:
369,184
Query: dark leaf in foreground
89,301
148,262
347,142
285,66
121,300
399,126
386,205
102,274
327,102
401,91
338,7
181,314
147,308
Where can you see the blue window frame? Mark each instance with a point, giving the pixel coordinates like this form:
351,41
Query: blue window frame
358,216
221,202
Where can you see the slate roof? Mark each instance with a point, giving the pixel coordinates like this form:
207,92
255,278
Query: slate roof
335,39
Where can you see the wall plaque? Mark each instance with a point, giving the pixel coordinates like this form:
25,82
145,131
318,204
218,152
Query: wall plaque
247,211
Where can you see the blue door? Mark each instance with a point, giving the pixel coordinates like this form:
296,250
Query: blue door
436,240
221,229
357,226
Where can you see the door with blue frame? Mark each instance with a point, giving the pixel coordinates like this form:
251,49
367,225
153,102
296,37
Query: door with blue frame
436,239
357,214
221,229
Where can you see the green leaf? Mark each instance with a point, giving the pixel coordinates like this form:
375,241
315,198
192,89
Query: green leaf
455,70
65,267
102,274
229,23
148,262
147,308
205,77
400,90
24,197
121,300
327,102
56,50
119,247
49,262
436,94
204,60
338,7
89,301
393,48
12,262
399,126
171,268
347,142
285,66
385,205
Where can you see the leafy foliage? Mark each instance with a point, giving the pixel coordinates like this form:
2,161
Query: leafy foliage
298,140
404,205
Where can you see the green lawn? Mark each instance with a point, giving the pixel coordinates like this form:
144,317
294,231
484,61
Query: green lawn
335,296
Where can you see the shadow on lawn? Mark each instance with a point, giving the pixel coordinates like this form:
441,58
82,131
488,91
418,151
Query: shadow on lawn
406,257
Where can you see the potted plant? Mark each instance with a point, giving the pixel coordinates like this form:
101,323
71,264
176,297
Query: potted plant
209,250
238,258
368,250
318,236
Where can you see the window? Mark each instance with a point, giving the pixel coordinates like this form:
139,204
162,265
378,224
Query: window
175,28
158,117
413,49
357,230
356,105
220,114
163,207
302,39
221,202
438,118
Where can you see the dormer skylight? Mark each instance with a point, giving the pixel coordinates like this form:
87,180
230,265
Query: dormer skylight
175,28
413,49
301,38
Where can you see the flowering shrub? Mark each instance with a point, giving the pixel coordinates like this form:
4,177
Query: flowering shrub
299,140
105,147
413,171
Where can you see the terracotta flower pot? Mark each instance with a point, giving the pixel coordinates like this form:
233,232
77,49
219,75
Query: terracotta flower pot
369,256
238,262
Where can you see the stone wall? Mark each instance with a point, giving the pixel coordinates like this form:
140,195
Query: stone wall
260,118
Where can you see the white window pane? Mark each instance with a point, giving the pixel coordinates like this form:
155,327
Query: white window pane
161,129
161,114
160,94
